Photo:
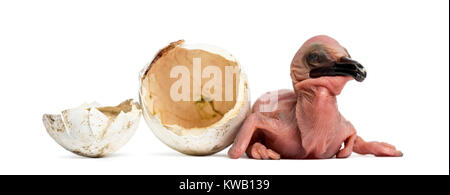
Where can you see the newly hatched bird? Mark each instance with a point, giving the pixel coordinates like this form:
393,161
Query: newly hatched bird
306,123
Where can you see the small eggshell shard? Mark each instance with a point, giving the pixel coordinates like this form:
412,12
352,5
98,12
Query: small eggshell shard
201,126
94,131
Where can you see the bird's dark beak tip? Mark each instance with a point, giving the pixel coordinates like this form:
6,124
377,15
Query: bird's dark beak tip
361,78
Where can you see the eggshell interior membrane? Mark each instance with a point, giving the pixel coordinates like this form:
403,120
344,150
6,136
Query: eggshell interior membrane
199,111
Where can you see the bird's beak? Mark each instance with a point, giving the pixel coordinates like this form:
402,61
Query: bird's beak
344,67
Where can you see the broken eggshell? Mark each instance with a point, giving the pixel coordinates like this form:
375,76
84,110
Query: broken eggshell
94,131
203,140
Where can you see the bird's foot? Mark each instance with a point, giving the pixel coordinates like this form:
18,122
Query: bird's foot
259,151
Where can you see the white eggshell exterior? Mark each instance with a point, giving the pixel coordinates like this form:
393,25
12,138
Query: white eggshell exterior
88,132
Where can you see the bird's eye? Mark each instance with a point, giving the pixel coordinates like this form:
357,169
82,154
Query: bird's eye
315,58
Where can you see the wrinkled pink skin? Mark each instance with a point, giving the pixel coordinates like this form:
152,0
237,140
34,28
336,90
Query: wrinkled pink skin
306,123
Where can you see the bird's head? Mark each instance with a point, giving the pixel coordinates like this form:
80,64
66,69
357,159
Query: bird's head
323,61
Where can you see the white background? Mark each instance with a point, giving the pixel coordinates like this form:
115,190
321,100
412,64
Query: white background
58,54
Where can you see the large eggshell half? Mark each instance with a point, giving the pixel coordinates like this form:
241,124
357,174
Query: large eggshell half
197,141
94,131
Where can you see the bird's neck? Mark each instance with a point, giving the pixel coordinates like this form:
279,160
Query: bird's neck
318,120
